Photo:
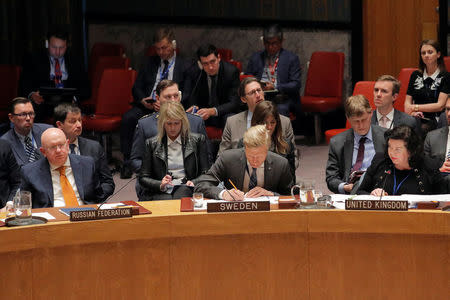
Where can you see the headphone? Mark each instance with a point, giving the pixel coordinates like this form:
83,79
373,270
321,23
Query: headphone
174,44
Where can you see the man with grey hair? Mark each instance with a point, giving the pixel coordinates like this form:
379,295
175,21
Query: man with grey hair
254,170
278,69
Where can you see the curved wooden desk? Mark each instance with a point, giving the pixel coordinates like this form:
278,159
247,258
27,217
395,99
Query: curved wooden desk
281,254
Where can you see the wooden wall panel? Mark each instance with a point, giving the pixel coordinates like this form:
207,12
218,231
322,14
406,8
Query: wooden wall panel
392,31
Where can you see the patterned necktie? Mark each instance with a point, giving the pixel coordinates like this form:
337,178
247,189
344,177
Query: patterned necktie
360,156
72,148
383,121
29,150
253,180
58,73
68,193
165,73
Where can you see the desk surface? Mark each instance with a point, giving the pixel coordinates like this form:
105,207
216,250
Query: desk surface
280,254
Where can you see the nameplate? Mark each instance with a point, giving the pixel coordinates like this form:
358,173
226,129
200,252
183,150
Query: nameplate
99,214
233,206
376,205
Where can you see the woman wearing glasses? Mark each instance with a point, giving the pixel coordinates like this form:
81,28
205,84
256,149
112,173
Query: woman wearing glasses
175,158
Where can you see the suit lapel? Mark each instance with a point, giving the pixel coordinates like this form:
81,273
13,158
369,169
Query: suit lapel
77,171
378,139
81,145
242,162
348,153
374,118
268,167
46,177
442,146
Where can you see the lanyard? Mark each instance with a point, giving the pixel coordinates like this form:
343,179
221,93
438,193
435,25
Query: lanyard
161,74
397,187
272,69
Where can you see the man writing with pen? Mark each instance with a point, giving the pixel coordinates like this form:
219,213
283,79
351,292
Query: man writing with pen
249,172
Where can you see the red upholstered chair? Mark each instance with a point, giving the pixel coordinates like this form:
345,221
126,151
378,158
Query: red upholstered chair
361,88
403,77
103,62
447,62
324,84
237,64
113,100
242,76
9,84
104,49
225,54
214,133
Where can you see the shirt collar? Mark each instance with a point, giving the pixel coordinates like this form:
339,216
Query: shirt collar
66,164
390,115
170,60
433,76
176,141
22,137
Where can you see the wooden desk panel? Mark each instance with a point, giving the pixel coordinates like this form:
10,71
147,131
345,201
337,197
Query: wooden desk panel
288,254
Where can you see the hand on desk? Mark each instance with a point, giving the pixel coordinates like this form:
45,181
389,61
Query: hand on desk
232,193
258,192
378,192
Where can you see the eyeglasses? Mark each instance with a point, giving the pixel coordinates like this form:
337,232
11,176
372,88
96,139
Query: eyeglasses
25,114
253,93
57,146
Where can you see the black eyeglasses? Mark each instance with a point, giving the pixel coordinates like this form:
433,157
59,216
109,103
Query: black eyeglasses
25,114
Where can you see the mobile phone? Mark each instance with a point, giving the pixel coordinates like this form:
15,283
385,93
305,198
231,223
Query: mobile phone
150,100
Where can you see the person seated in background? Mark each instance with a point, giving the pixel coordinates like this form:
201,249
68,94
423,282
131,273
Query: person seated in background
250,92
175,158
437,144
254,170
9,173
68,118
25,136
278,69
165,65
428,87
351,152
385,93
402,168
266,113
53,67
59,178
213,88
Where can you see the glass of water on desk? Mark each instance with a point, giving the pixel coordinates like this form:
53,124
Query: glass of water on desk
22,207
197,199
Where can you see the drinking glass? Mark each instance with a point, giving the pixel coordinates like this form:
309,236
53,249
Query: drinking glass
197,199
22,208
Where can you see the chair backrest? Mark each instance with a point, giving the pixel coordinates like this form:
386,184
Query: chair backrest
242,76
403,77
447,62
237,64
9,84
325,74
225,54
114,92
104,49
106,62
364,88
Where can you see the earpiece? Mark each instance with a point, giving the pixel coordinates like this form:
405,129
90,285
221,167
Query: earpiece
174,44
200,66
46,43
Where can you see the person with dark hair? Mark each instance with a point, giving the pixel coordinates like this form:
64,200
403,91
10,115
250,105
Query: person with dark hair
9,173
251,93
165,65
175,158
428,87
213,88
278,69
68,118
54,67
25,136
402,168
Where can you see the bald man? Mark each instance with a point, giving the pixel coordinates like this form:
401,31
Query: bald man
59,178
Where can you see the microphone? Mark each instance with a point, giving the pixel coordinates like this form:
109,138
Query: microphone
106,200
387,172
196,84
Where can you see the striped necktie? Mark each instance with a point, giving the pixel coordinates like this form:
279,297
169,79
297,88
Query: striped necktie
29,150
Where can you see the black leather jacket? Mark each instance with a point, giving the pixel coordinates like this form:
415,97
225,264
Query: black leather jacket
154,163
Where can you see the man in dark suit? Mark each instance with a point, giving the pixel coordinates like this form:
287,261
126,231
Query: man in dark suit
25,136
9,173
60,179
68,118
165,65
437,146
278,69
213,89
385,92
353,150
53,67
254,170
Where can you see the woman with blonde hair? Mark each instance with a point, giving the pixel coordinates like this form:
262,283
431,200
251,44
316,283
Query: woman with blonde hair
175,158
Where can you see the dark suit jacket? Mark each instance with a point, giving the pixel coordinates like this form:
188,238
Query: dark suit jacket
9,173
442,122
36,73
227,87
288,72
145,80
17,146
341,153
435,144
95,150
231,164
154,165
148,127
37,179
400,118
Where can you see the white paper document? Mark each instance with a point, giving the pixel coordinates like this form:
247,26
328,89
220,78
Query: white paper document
44,215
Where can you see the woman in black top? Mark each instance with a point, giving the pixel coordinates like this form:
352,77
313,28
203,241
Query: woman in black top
428,87
402,169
